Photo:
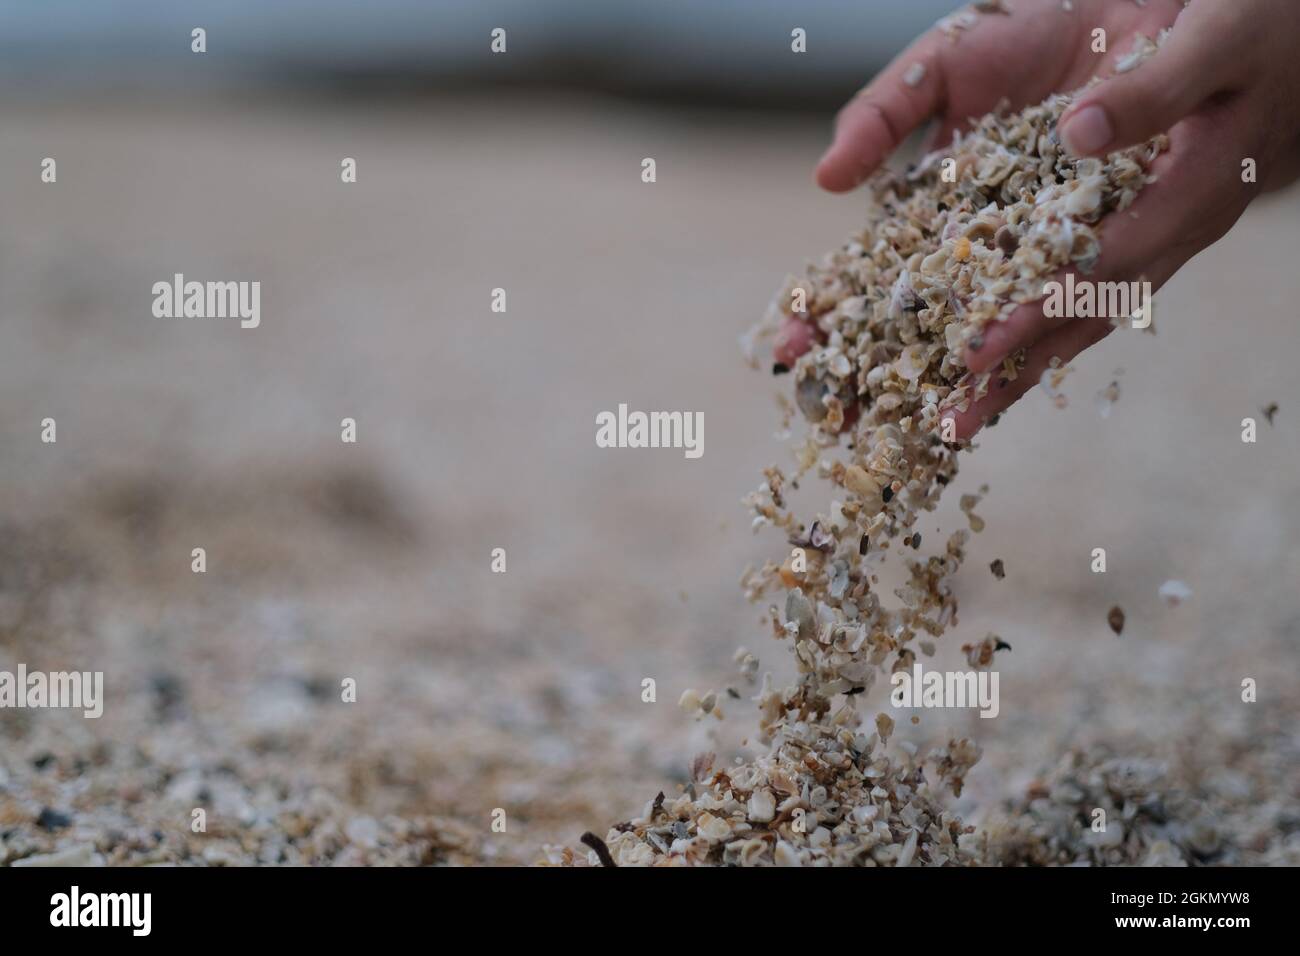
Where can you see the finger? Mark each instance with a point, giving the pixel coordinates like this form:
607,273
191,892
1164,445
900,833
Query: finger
1150,98
1063,344
794,338
1030,323
1197,193
1059,346
875,122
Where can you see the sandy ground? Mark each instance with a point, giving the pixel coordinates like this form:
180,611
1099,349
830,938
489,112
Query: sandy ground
522,691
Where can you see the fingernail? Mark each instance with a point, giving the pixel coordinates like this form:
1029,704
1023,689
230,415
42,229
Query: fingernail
1087,131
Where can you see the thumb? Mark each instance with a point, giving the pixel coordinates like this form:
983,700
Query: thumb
1151,98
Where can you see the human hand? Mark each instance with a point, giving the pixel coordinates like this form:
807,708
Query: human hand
1225,85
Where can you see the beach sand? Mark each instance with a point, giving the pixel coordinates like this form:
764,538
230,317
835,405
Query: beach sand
371,561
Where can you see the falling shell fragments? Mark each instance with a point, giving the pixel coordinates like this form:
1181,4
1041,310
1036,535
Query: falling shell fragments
893,311
1115,618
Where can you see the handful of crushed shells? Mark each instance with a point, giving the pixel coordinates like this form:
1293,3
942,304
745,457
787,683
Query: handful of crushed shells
957,242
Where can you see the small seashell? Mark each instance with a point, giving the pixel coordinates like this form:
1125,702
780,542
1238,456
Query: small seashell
902,297
912,363
884,725
712,828
859,481
909,850
1106,399
1007,240
701,764
1174,593
762,806
799,611
1084,201
809,395
786,855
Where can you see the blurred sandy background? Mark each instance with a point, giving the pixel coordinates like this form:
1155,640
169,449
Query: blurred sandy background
476,430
